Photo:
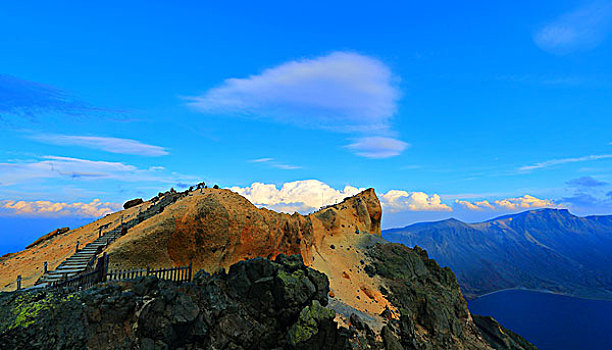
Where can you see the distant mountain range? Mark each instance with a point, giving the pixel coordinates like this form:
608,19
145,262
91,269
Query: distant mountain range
546,249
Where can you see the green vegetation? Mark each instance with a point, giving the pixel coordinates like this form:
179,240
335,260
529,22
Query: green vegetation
25,308
308,322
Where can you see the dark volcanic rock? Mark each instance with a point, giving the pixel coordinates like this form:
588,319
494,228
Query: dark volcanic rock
258,304
432,311
500,337
132,203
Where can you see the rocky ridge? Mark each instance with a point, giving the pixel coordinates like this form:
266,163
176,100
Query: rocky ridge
378,295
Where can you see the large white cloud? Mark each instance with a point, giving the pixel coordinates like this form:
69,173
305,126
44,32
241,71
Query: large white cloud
95,208
301,196
342,91
581,29
398,200
517,203
108,144
309,195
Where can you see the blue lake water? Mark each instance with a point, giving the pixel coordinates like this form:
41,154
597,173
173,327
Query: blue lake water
551,322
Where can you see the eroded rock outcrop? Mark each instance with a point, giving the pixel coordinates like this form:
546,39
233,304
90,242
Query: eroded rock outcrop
432,313
215,228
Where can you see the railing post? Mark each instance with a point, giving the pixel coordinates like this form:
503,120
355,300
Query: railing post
45,267
104,267
19,282
190,266
76,249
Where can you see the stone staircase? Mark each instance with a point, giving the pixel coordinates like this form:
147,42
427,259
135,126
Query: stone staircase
84,259
81,260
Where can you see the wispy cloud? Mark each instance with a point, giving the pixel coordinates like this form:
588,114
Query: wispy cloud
20,97
554,162
108,144
54,167
286,166
586,181
261,160
581,29
581,201
554,81
93,209
274,164
378,147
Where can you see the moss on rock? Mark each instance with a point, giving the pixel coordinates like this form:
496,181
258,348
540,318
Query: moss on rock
307,325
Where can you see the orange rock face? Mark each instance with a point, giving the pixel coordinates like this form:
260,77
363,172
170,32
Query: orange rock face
217,228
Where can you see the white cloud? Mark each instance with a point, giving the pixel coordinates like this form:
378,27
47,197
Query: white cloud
95,208
261,160
306,196
378,147
274,164
303,196
397,200
286,166
342,91
108,144
553,162
54,167
524,202
309,195
481,205
581,29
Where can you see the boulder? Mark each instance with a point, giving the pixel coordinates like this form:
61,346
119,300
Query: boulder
132,203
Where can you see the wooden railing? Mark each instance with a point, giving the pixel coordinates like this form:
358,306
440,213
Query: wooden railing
82,281
176,274
86,279
101,274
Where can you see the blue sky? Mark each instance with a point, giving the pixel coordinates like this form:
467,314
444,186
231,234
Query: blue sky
446,109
